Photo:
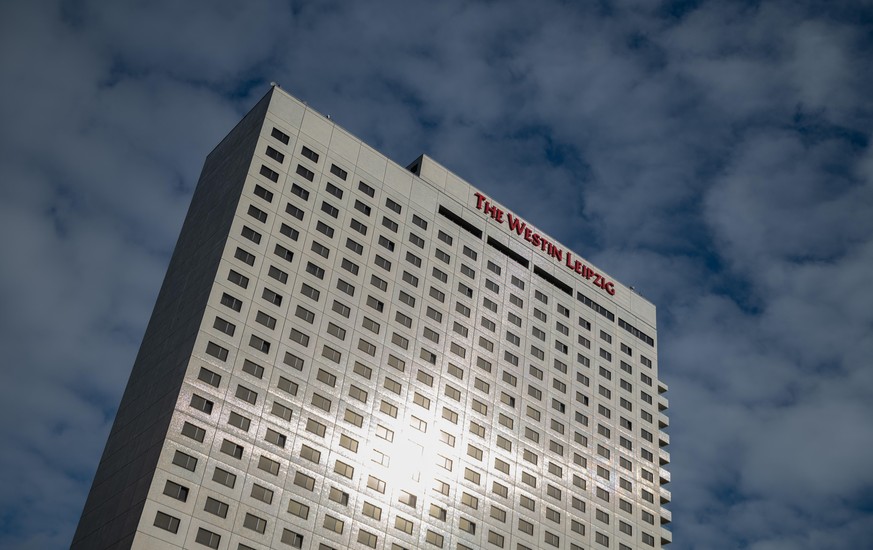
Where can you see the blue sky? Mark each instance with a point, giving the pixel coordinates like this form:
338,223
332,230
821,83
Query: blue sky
715,155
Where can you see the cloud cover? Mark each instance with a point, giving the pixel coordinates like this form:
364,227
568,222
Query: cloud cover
714,154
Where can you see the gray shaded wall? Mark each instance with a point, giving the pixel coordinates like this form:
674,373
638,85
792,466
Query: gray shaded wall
118,492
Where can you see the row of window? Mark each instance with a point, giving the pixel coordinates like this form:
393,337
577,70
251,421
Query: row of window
373,325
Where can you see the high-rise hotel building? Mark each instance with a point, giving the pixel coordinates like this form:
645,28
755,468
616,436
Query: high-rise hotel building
347,353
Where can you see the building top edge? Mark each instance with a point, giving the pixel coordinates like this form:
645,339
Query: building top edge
426,170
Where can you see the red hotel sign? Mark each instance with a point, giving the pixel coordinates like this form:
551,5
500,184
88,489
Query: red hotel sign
527,232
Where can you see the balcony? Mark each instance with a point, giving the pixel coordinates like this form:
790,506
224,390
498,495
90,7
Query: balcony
664,476
663,457
662,387
666,496
663,403
663,439
666,536
663,421
666,516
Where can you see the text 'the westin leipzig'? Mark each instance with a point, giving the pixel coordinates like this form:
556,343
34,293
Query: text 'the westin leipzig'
347,353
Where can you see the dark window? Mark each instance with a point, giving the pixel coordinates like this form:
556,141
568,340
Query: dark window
309,153
263,193
294,211
362,207
392,205
244,256
300,192
275,155
329,209
257,213
280,135
271,175
338,172
305,172
283,253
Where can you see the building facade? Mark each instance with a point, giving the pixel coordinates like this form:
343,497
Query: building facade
347,353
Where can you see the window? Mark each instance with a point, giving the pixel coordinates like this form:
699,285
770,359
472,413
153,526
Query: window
390,224
376,484
392,205
304,481
469,500
176,491
487,323
251,234
239,421
224,477
244,256
334,190
262,493
338,496
338,172
292,539
322,227
399,340
281,411
232,449
300,192
266,320
386,243
255,523
207,538
440,275
525,526
552,539
294,211
403,524
418,221
280,135
305,172
321,402
278,274
271,175
259,344
194,432
167,522
362,208
379,283
333,524
299,509
367,539
310,292
404,320
396,363
382,262
201,404
246,394
366,189
341,308
316,427
416,240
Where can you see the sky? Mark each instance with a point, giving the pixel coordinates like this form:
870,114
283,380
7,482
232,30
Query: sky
714,154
